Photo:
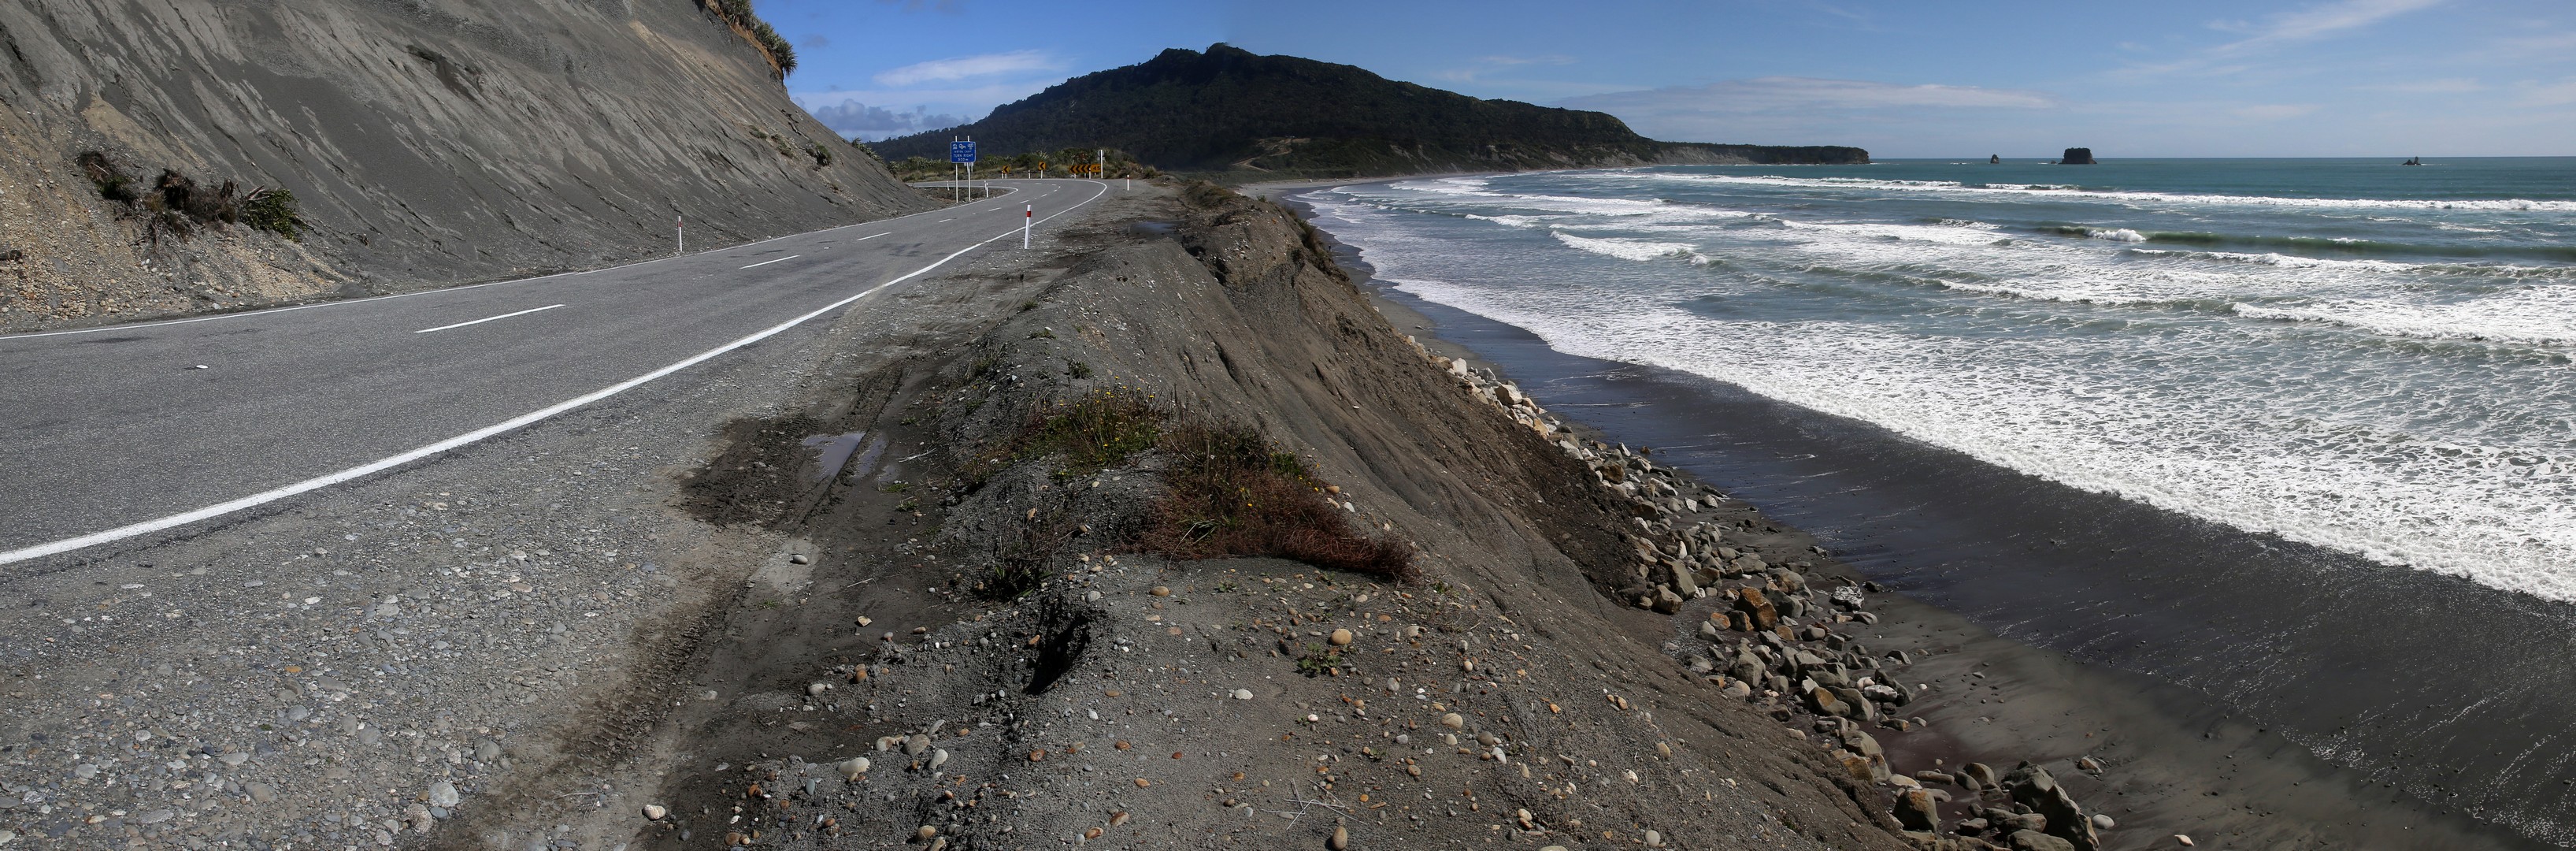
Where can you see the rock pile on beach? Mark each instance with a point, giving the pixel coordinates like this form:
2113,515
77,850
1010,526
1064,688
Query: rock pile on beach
1771,634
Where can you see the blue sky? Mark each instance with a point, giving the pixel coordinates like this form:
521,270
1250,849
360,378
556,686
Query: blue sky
1903,79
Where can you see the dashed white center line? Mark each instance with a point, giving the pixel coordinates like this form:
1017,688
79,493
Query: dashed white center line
767,262
488,319
945,221
870,236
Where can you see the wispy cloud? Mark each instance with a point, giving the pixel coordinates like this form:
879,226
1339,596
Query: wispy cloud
2317,21
2309,23
970,67
1782,109
1485,65
2273,111
1806,94
2535,93
2444,86
2553,44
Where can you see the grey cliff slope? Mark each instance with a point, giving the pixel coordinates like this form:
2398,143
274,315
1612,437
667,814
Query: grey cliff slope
429,142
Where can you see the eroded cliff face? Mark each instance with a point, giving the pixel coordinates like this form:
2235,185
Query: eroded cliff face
426,143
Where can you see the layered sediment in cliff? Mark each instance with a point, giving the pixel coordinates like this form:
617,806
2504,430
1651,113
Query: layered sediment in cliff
422,143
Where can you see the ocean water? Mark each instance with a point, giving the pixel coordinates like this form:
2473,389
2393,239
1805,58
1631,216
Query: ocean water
2349,353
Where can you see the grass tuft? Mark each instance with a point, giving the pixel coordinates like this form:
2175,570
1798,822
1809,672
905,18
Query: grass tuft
1232,493
1096,432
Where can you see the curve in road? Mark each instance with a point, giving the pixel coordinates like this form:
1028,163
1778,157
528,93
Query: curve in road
128,430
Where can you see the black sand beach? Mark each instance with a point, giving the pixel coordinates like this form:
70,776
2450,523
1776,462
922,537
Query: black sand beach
2207,668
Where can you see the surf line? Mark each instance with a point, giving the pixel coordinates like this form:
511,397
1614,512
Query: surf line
522,421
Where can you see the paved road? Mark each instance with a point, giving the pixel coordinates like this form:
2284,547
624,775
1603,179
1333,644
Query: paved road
132,429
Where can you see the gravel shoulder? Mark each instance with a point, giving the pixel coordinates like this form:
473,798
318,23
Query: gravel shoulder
455,654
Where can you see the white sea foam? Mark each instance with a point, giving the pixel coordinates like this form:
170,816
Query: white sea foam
2133,197
1969,233
2545,317
1633,249
2116,234
2238,414
2230,458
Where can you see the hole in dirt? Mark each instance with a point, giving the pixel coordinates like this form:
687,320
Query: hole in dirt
1063,635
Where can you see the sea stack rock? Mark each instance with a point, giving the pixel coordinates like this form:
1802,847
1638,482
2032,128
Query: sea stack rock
2077,156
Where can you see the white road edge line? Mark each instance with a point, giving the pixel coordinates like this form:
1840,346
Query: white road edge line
335,302
477,435
767,262
488,319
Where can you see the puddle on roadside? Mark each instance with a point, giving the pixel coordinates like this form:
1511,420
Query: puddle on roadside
833,453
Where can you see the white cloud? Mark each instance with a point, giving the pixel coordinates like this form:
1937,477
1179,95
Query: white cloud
2444,86
1804,94
2312,22
970,67
1489,64
2273,111
2560,93
2327,18
871,123
2553,45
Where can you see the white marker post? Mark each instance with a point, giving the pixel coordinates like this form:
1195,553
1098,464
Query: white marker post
1028,219
680,229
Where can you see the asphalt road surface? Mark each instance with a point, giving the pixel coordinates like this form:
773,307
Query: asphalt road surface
134,429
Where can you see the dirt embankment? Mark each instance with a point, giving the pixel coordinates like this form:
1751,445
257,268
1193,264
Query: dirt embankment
979,642
422,145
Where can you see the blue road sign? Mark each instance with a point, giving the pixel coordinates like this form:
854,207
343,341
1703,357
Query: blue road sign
961,152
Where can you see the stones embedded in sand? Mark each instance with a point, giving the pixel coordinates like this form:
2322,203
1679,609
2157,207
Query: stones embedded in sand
853,767
2031,786
1982,774
1917,810
1453,721
925,833
1756,607
654,812
916,745
1825,703
2007,821
2103,822
1341,638
1340,840
1243,694
2032,840
2185,841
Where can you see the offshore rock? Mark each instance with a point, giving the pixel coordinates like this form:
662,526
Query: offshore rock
2078,156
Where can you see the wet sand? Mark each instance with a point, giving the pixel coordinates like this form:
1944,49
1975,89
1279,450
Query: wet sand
2204,666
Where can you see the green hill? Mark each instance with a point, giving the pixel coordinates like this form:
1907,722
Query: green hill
1254,117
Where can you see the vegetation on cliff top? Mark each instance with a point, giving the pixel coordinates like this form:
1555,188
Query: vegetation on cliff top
737,14
1228,110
